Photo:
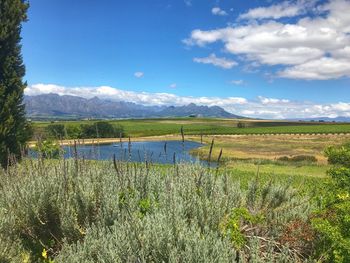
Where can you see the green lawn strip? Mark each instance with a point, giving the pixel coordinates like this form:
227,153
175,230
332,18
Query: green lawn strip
154,127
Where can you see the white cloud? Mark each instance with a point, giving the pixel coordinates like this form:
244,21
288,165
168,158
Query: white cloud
315,47
237,82
262,107
173,86
276,11
188,2
224,63
218,11
139,74
265,100
321,69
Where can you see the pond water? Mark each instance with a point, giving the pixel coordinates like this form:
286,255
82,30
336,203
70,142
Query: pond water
153,151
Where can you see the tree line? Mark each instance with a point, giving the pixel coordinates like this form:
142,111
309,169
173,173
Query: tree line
100,129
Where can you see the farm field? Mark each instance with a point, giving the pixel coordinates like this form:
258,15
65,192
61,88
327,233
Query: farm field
209,126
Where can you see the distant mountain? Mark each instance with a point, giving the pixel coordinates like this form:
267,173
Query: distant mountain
326,119
194,110
70,107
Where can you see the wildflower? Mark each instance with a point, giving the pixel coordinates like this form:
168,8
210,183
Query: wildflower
25,258
343,197
44,253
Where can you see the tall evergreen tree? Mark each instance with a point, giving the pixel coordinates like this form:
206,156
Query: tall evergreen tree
13,125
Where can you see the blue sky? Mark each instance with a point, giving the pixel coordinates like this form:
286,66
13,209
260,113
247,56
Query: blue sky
273,59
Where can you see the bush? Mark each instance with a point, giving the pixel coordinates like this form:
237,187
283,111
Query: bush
339,156
74,131
333,222
56,131
298,158
241,125
101,129
48,149
86,211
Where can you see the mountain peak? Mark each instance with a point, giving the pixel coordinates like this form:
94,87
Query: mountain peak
55,106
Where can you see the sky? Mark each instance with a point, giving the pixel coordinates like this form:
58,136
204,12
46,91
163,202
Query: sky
256,58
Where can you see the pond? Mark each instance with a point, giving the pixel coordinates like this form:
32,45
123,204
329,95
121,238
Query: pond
152,151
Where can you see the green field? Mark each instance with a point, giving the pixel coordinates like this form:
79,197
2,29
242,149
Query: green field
211,126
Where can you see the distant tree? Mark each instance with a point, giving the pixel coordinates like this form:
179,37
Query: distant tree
13,125
88,131
56,131
101,129
240,125
74,131
107,130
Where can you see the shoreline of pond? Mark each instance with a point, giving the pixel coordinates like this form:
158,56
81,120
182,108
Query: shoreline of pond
104,141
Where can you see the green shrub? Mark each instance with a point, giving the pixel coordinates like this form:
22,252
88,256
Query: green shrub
74,131
298,158
339,156
88,211
56,131
48,149
101,129
333,221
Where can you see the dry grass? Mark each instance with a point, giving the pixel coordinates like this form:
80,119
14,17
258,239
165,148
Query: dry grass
271,147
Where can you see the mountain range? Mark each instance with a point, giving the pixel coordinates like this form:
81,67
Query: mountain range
325,119
72,107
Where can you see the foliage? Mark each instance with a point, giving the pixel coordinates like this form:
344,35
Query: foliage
13,125
87,211
241,125
74,132
339,156
56,131
333,221
298,158
101,129
48,149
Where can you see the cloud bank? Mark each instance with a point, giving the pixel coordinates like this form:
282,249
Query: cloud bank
261,107
316,46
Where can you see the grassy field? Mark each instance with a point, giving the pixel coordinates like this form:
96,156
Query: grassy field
211,126
271,147
250,153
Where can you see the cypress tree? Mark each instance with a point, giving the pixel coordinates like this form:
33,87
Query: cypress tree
13,125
